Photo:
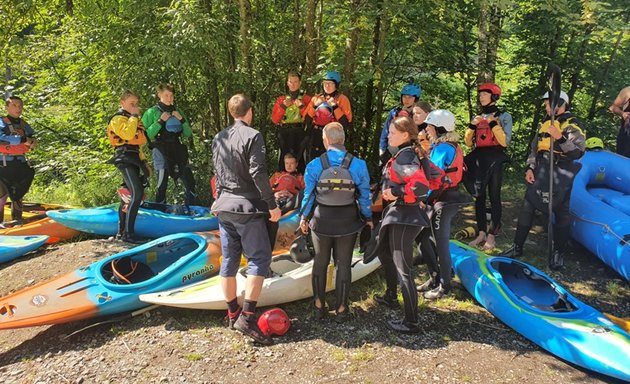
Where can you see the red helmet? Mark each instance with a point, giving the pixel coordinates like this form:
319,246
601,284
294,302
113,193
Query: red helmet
274,322
494,89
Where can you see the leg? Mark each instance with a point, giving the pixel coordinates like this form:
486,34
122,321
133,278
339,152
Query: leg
323,247
401,243
480,216
427,248
523,225
189,185
494,189
131,176
441,222
3,202
342,252
162,184
390,297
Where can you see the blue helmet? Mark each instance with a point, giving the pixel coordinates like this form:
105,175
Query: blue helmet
334,76
411,90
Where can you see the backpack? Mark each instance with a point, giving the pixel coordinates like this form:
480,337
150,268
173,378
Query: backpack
335,186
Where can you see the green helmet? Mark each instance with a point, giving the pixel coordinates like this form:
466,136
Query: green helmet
594,143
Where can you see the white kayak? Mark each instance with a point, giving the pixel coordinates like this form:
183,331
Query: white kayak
290,281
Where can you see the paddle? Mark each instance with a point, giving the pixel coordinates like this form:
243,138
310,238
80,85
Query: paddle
115,319
553,75
621,322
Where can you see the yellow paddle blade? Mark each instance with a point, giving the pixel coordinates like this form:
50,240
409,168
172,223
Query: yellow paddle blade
621,322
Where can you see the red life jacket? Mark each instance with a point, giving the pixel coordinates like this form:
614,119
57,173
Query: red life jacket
455,171
412,175
11,129
484,137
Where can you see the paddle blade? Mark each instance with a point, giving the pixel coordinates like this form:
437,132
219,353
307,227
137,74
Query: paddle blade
553,76
621,323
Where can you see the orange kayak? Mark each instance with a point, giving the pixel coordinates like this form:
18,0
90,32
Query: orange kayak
46,226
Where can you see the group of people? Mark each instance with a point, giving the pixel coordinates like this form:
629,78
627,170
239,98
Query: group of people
422,166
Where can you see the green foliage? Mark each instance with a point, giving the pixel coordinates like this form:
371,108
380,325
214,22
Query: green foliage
70,65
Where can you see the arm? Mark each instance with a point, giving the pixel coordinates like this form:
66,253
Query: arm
505,120
306,99
186,128
468,136
533,150
343,109
124,127
415,184
152,122
313,171
258,170
383,141
277,113
10,139
572,142
361,178
617,105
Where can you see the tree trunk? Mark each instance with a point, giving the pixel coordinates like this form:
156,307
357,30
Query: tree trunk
490,26
349,65
245,17
380,36
310,59
297,59
579,60
376,77
69,7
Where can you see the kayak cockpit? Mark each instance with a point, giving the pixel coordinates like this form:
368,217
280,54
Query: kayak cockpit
532,288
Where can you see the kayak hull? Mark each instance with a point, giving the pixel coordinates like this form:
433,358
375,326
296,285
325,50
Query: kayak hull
56,232
534,305
12,247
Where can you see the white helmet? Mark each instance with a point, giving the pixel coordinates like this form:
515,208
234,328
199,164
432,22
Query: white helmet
441,118
563,96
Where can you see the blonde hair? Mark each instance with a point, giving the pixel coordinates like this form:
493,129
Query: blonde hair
448,137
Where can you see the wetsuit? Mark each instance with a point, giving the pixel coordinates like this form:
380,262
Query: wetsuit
403,219
126,134
335,228
290,124
16,175
485,164
320,114
170,155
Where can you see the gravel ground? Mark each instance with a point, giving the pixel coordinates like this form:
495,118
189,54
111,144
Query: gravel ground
460,341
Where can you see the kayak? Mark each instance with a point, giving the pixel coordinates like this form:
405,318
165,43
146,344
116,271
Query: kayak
290,281
111,285
30,211
46,226
537,307
12,247
153,220
600,208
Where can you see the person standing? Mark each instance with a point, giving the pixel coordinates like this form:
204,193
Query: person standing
126,134
569,145
409,95
621,108
244,204
328,106
166,126
330,212
488,134
404,187
288,116
16,174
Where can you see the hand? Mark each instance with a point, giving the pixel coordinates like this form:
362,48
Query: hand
625,116
287,102
177,115
388,195
147,168
304,226
30,141
529,176
318,100
165,116
555,131
298,103
275,214
476,120
134,111
370,224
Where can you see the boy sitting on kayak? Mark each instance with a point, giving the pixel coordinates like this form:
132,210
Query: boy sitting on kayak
287,184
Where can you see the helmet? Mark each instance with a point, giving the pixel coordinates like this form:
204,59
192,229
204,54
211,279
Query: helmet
334,76
563,96
494,89
274,322
411,90
441,118
323,115
594,143
301,249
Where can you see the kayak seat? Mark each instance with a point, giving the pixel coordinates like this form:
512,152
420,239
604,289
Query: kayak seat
127,271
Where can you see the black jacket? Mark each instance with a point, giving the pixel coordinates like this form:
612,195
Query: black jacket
238,154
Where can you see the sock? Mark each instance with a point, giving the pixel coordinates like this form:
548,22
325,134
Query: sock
249,307
232,306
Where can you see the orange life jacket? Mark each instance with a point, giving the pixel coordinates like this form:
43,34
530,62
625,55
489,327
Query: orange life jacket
16,149
139,139
455,171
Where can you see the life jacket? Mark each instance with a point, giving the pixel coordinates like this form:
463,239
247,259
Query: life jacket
139,139
293,113
335,186
324,114
455,171
413,173
544,138
173,128
484,137
287,181
10,129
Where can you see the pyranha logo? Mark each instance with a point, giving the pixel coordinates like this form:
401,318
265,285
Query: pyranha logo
39,300
202,271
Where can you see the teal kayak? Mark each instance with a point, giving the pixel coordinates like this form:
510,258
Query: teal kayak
12,247
537,307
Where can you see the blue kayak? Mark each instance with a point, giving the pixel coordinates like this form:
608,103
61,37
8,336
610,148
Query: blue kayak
12,247
534,305
600,208
154,220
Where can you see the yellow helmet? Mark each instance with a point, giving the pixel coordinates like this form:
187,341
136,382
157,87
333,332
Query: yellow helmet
594,143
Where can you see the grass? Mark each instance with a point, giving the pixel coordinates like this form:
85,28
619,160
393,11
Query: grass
194,357
613,288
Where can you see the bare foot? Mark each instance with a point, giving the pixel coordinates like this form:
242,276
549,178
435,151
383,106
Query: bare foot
490,243
480,238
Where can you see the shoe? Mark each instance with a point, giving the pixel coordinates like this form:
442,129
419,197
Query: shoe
513,252
427,285
319,313
342,317
437,293
402,326
247,325
387,299
231,318
132,239
556,262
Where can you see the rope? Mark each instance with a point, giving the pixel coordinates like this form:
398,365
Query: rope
621,239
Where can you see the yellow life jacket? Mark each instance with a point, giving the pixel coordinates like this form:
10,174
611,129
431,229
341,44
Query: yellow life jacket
139,138
544,138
